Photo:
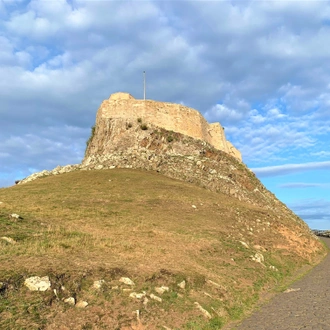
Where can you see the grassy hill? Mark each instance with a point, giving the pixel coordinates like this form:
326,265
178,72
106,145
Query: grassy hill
86,226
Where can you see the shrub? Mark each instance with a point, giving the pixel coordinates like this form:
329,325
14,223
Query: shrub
90,138
170,138
144,127
139,120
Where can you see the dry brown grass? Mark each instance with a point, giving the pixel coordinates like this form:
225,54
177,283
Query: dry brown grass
87,225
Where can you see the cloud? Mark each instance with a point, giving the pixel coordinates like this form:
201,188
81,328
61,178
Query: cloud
290,168
300,185
315,211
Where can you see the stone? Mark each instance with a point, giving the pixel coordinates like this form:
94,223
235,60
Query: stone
138,295
194,206
126,281
71,301
8,240
81,304
244,244
258,257
98,284
291,290
162,289
36,283
205,313
15,216
154,297
182,284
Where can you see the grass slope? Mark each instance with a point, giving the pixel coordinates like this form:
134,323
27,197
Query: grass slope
90,225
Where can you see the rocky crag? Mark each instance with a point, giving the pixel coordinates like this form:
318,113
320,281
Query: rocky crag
134,141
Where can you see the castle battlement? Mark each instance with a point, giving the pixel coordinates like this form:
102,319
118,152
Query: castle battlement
170,116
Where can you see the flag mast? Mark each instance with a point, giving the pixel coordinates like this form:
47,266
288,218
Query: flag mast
144,85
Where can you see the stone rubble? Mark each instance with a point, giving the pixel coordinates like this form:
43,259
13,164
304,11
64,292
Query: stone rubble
205,313
36,283
126,281
8,240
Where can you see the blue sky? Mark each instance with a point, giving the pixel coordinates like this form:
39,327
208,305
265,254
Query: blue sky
260,68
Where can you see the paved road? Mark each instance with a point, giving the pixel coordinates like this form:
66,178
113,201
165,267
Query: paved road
306,307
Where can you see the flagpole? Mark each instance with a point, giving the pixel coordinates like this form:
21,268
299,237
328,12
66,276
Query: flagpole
144,85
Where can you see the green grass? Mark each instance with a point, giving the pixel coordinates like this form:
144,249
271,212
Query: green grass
81,227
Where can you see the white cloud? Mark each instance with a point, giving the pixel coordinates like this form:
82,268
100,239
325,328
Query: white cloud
290,168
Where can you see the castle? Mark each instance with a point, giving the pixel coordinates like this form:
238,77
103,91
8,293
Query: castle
170,116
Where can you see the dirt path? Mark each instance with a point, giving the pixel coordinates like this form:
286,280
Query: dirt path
305,305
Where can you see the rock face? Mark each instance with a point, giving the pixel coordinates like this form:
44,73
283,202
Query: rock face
124,109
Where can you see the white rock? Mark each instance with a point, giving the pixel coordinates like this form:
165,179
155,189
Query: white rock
99,167
15,216
81,304
36,283
138,295
154,297
71,301
244,244
112,167
98,284
127,281
182,284
194,206
204,311
8,240
162,289
258,257
273,268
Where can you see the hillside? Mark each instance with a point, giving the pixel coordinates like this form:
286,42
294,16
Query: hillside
217,249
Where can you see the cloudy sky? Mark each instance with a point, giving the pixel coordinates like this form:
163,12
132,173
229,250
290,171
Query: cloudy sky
261,68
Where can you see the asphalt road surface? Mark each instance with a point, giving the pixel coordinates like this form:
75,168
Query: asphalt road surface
305,305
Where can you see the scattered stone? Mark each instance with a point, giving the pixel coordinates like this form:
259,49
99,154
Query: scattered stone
194,206
15,216
127,290
244,244
166,328
182,284
162,289
138,295
291,290
71,301
36,283
1,202
217,285
112,167
204,311
154,297
145,301
127,281
98,284
98,167
8,240
258,257
81,304
273,268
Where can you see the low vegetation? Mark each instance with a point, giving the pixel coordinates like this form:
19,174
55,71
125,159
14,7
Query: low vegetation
85,226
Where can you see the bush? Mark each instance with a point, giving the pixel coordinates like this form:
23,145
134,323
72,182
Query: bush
144,127
170,138
90,138
139,120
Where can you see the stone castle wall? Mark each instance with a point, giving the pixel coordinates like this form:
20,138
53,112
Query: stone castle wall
172,117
